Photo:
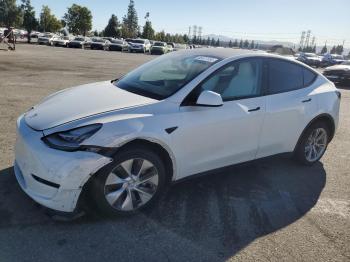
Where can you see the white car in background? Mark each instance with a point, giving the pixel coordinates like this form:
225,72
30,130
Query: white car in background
117,145
62,41
47,39
139,45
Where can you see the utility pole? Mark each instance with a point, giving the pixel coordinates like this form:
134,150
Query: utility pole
307,38
302,38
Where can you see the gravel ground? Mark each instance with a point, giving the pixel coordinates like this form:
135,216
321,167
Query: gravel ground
269,210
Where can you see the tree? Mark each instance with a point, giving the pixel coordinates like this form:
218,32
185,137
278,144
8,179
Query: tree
241,44
113,27
252,45
186,38
324,49
29,21
333,50
235,43
339,49
230,44
246,43
148,31
130,21
48,22
78,19
10,13
314,49
217,43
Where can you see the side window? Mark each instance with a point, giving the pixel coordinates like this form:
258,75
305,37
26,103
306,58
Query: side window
284,76
309,77
240,79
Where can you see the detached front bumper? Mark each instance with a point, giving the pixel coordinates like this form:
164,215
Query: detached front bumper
53,178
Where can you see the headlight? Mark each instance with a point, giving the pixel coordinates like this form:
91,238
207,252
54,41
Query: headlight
70,140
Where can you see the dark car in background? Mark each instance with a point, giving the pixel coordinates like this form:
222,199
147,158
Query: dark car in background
338,73
80,42
118,45
332,59
159,48
310,59
99,44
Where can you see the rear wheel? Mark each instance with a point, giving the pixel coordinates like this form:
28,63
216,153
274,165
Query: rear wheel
134,181
313,144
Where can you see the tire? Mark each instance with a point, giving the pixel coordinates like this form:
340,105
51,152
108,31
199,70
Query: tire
101,183
302,153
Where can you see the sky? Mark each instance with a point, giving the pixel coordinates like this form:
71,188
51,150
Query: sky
281,20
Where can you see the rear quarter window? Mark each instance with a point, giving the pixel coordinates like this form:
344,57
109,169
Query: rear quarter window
309,77
284,76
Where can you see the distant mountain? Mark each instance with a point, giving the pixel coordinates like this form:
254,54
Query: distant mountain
224,38
267,44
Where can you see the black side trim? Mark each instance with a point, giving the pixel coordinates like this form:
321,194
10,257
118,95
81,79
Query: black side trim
45,182
254,109
170,129
202,105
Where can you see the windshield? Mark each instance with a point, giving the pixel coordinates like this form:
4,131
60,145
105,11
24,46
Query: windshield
79,39
337,56
346,63
165,75
310,55
138,41
117,41
159,44
98,40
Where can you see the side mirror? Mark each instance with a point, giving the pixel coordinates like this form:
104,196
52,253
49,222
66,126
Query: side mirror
209,98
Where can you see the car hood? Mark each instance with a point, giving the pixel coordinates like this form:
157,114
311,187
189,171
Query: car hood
79,102
338,67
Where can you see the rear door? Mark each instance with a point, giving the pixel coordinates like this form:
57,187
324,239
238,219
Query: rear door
289,106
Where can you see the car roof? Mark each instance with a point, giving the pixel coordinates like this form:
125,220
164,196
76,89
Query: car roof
222,53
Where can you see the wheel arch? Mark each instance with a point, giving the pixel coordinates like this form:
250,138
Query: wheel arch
157,147
325,118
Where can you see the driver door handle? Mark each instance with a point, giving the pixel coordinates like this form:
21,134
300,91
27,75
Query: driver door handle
254,109
306,100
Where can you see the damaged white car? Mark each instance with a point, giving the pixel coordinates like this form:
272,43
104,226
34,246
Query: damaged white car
117,145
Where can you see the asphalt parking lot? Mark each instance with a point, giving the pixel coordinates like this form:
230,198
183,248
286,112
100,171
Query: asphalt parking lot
269,210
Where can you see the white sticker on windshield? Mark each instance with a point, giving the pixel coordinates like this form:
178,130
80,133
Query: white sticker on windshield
206,59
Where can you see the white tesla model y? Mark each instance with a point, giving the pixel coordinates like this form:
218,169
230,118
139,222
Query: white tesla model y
121,143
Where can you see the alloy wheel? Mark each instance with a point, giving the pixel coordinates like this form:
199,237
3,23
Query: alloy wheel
131,184
316,144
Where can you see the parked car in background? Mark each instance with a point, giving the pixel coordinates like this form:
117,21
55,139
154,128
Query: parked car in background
99,44
80,42
139,45
159,48
310,59
119,144
338,73
118,45
62,41
47,39
108,38
35,34
128,40
332,59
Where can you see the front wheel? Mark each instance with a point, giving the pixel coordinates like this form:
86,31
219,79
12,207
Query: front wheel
132,182
313,144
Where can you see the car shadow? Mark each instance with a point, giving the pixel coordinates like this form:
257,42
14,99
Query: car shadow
220,213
